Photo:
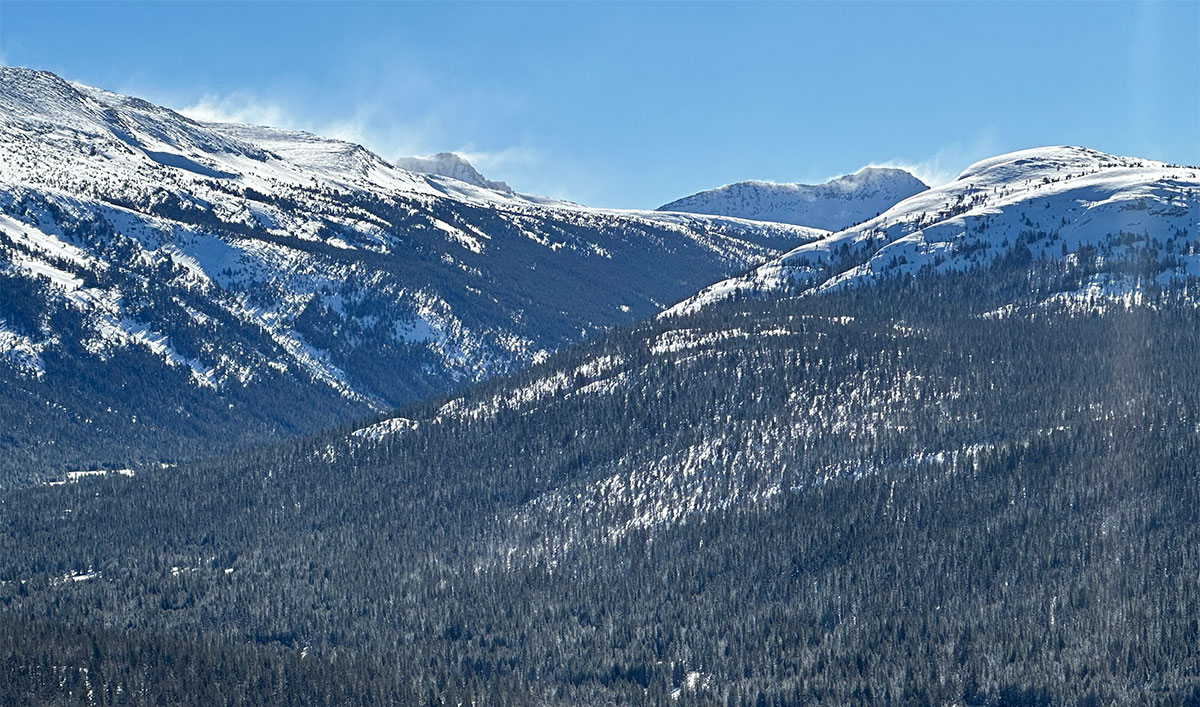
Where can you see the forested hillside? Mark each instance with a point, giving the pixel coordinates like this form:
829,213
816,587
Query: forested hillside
946,489
345,360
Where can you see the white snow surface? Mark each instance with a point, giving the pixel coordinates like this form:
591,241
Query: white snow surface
1051,200
836,204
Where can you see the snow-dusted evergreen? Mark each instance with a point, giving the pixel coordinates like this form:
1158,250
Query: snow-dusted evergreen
836,204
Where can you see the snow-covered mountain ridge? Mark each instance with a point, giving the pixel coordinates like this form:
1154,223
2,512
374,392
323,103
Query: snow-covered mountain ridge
836,204
1132,216
236,256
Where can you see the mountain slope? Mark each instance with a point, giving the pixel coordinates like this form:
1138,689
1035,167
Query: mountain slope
290,279
834,205
812,500
771,499
1134,220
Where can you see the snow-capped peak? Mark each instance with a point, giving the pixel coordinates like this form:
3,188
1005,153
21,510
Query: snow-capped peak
452,165
832,205
874,178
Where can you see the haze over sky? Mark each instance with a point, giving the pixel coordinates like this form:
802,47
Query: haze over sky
633,105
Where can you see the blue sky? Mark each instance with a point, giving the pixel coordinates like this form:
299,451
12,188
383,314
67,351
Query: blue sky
636,104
